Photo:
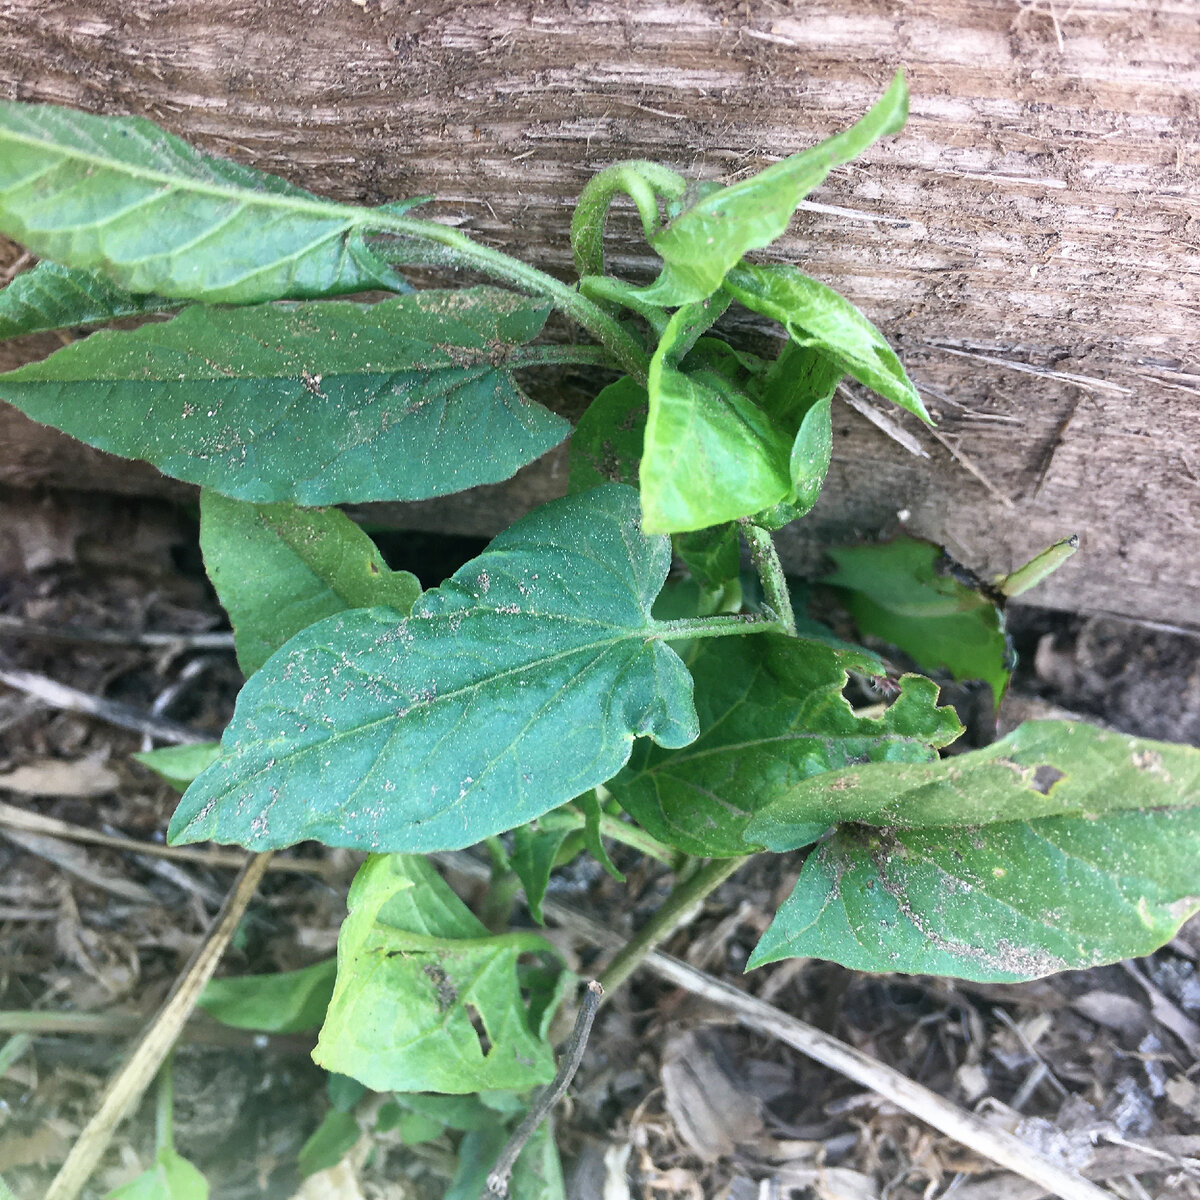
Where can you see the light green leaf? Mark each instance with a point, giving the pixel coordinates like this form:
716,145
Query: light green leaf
1061,846
817,316
772,716
606,446
313,403
171,1178
414,968
701,244
910,593
52,297
711,454
179,765
285,1002
799,378
517,685
278,569
123,196
534,856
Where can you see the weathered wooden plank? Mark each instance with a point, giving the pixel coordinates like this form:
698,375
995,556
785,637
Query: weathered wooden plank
1033,217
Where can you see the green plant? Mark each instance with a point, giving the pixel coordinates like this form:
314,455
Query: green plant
557,687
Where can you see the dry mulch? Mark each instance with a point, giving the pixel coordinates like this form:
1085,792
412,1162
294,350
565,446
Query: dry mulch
1098,1068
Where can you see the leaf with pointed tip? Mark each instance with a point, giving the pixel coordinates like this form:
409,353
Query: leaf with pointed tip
817,316
278,569
772,715
1061,846
515,686
179,765
606,446
121,195
702,243
534,857
283,1002
171,1177
711,454
910,593
314,403
414,965
52,297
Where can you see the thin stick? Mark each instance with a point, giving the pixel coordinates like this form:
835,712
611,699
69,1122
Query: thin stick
131,1081
20,627
549,1096
69,699
881,422
971,1131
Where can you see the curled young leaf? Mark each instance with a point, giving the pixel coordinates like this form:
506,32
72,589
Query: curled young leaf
517,685
704,241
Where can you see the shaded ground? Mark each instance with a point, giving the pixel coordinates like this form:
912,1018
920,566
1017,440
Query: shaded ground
673,1099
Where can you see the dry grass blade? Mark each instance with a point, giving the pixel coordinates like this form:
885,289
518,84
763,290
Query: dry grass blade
132,1079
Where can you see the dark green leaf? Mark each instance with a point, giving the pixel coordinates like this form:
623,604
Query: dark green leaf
799,378
537,1173
329,1143
909,593
1061,846
54,297
278,569
772,715
312,403
286,1002
701,244
344,1092
606,446
712,556
711,454
123,196
449,1112
518,684
816,316
179,765
414,968
589,805
171,1178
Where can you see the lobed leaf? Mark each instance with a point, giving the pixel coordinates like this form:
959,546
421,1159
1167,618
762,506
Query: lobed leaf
414,968
706,240
122,196
772,717
910,593
278,569
816,316
310,403
518,684
1061,846
52,297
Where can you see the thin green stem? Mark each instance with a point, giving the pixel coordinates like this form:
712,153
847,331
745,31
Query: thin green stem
691,629
678,908
604,328
615,830
164,1106
541,356
770,570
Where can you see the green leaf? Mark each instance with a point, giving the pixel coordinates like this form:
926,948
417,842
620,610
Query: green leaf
711,454
816,316
644,182
329,1143
799,378
278,569
537,1173
772,716
606,446
713,558
910,593
1061,846
589,805
285,1002
52,297
701,244
534,856
171,1178
414,968
517,685
448,1112
123,196
313,403
179,765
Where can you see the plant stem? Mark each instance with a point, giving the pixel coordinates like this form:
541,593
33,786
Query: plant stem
693,628
770,571
679,906
164,1106
584,312
541,356
615,830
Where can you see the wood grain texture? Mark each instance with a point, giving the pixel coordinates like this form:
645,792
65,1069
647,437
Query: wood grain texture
1037,215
